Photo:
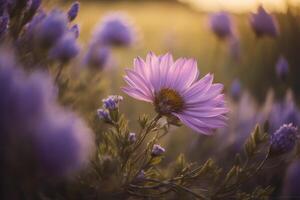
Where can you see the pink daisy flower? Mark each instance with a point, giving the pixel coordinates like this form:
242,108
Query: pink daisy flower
174,90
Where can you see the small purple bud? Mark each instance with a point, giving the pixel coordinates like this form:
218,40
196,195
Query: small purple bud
65,49
75,29
112,102
157,150
103,114
282,68
73,11
264,24
235,89
132,137
283,140
221,24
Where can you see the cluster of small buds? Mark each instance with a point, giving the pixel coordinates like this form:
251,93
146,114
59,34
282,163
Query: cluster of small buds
157,150
104,115
284,139
112,102
132,137
109,110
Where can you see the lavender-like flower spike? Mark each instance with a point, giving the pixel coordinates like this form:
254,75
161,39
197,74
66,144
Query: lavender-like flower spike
98,57
282,68
112,102
174,90
221,24
157,150
65,49
132,137
50,29
283,140
73,11
115,30
264,24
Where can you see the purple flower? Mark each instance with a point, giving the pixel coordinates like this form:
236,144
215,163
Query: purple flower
98,57
132,137
282,68
104,115
174,89
292,181
50,29
236,89
65,49
264,24
75,30
115,30
283,112
73,11
283,140
221,24
157,150
112,102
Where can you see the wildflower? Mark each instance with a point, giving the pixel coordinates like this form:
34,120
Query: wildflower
50,29
264,24
174,89
98,57
282,68
73,11
112,102
65,49
235,89
103,114
115,30
132,137
157,150
221,24
292,181
284,139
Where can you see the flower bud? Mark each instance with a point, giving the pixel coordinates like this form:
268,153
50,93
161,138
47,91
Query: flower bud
157,150
73,11
103,114
221,24
283,140
132,137
112,102
282,68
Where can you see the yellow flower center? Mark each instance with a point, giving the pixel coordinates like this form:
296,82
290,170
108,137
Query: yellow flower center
167,101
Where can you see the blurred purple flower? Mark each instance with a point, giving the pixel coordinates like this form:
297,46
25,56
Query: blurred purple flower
112,102
221,24
264,24
174,89
115,30
283,140
65,49
60,142
283,112
157,150
50,29
282,68
98,57
236,89
104,115
73,11
292,181
75,30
